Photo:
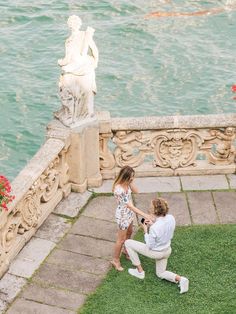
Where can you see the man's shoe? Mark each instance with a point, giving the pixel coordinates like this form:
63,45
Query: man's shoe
183,284
134,272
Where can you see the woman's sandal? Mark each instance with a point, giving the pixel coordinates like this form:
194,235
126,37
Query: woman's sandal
118,268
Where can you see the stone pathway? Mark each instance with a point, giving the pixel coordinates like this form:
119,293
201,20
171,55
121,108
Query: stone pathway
69,255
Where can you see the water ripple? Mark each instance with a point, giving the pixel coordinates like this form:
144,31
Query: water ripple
155,67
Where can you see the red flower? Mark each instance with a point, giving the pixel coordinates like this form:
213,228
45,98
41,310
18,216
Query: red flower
5,190
4,205
233,88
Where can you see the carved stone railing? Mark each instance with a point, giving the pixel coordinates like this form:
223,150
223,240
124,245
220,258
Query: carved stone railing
38,188
69,160
165,146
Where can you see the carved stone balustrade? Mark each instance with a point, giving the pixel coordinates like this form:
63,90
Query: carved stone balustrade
38,188
165,146
68,161
80,156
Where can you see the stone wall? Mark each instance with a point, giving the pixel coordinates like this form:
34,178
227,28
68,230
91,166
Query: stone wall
68,161
81,156
167,146
38,188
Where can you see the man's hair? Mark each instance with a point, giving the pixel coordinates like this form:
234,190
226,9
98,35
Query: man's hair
160,207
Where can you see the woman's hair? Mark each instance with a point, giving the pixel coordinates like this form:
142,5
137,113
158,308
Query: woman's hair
160,207
124,176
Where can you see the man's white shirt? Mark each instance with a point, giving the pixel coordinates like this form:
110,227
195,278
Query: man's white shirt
160,233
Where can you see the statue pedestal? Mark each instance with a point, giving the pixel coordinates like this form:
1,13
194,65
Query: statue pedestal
83,156
83,153
83,122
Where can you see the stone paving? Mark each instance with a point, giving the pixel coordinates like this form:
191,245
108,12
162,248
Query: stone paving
69,255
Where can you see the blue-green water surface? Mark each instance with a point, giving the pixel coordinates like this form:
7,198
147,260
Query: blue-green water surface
158,66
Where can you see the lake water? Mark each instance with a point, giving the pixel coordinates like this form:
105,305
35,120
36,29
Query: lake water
158,66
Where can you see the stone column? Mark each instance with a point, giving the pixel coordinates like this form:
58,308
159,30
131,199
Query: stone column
83,153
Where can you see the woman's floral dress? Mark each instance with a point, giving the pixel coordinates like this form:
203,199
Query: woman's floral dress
124,216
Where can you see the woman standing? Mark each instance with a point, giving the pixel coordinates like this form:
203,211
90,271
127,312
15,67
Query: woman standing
123,187
157,246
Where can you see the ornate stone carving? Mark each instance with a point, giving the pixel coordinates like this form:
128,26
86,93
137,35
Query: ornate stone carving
77,84
30,209
49,181
131,148
33,204
224,152
107,160
10,230
63,168
173,149
176,148
41,192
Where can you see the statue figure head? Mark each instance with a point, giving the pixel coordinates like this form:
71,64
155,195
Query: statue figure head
74,22
229,131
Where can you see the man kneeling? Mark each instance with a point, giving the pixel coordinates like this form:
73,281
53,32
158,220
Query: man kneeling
157,245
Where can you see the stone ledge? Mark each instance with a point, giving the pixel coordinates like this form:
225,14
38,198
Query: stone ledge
172,122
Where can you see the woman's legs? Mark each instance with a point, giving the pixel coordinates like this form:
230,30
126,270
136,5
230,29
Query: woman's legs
128,236
121,237
129,231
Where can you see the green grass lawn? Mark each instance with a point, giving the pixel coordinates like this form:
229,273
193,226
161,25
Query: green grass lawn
204,254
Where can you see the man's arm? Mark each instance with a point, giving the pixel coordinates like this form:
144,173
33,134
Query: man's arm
149,237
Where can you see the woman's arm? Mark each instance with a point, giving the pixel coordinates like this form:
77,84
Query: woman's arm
133,187
138,211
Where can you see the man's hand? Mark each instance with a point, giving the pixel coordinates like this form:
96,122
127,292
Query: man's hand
144,227
149,219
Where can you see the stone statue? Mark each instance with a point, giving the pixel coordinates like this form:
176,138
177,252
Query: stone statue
77,84
225,150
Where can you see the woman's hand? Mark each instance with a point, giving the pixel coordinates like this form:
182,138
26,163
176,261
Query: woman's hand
149,219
